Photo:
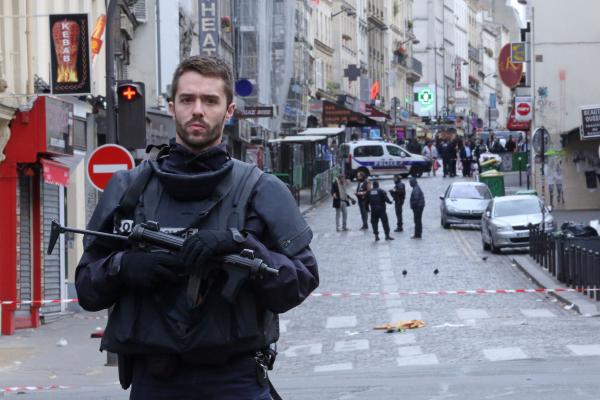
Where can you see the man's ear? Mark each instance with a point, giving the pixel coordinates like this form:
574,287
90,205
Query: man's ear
230,111
172,109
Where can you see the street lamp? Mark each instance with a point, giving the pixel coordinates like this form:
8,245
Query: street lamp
348,10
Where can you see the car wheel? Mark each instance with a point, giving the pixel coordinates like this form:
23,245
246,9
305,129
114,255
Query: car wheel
486,247
493,248
445,225
416,174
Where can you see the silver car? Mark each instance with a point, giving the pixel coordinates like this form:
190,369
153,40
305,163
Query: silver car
464,203
506,220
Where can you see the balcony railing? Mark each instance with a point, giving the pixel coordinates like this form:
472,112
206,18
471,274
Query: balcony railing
474,54
415,65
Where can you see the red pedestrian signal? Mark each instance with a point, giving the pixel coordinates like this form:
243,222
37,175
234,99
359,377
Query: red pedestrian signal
129,92
131,115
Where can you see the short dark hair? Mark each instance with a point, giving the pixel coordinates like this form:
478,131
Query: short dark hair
207,66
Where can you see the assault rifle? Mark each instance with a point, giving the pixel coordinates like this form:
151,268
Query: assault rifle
238,267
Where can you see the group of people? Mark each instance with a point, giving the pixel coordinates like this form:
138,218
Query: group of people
373,199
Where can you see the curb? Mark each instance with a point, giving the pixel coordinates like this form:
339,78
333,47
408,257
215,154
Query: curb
579,306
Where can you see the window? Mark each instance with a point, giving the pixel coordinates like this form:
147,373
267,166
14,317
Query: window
480,192
79,134
517,207
368,151
395,151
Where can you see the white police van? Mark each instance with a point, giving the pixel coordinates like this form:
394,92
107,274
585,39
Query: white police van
376,158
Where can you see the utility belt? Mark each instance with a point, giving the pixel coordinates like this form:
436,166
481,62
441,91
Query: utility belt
164,366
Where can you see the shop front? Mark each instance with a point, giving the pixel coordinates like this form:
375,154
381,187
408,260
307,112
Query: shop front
32,183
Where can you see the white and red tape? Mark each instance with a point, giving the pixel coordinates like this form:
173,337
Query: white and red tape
376,294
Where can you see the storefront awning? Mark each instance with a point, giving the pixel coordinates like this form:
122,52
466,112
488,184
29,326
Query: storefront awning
55,173
298,139
322,131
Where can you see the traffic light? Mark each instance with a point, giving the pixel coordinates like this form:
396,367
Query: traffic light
131,120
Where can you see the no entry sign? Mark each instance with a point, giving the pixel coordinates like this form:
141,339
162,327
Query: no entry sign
523,108
105,161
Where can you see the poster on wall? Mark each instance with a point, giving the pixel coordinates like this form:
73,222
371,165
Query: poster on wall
590,122
69,54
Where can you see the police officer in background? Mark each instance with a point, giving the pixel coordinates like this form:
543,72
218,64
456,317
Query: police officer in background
173,342
377,198
398,193
417,203
362,190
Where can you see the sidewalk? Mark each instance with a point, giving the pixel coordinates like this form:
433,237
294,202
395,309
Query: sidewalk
542,279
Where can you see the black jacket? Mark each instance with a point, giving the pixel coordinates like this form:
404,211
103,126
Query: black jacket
377,199
398,192
335,190
417,199
184,194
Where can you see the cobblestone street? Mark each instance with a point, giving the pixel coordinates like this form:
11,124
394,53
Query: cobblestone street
329,334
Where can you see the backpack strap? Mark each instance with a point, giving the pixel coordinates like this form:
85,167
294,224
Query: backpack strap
134,191
250,175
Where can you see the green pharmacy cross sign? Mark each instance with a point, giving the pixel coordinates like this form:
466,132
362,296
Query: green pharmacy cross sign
425,97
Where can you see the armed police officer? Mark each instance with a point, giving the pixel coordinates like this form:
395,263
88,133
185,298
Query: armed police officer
377,198
398,193
177,336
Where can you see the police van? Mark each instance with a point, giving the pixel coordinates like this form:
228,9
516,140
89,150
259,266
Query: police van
381,158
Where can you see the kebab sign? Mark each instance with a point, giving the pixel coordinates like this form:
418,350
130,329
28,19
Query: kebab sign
69,54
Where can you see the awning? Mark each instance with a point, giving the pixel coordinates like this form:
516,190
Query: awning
298,139
322,131
336,114
55,173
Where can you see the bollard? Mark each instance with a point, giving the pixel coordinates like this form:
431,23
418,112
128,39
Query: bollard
597,274
589,282
572,266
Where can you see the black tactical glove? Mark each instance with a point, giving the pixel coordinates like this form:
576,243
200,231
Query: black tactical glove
147,270
200,247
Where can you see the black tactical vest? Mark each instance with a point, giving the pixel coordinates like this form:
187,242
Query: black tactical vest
166,321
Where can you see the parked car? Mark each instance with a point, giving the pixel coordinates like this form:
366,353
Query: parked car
505,222
464,203
381,158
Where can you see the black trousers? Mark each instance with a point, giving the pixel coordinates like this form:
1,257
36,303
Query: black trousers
364,214
418,217
398,207
446,165
453,166
466,163
236,380
375,217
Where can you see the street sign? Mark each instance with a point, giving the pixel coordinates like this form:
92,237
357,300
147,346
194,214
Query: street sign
537,139
105,161
518,53
492,100
510,73
523,108
590,122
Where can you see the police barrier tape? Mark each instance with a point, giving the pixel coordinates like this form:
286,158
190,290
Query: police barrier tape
375,294
22,389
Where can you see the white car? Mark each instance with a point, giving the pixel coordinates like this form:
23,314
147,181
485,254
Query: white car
381,158
505,222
